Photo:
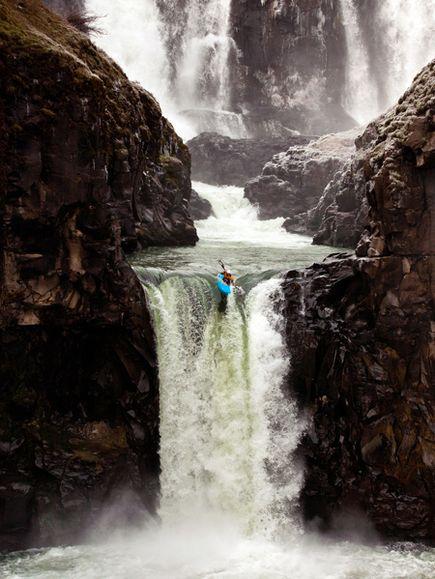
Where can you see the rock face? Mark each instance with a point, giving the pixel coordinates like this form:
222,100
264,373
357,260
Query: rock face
293,182
199,208
88,166
362,353
220,160
341,214
292,62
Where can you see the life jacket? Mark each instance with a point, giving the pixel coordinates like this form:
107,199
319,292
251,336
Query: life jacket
228,278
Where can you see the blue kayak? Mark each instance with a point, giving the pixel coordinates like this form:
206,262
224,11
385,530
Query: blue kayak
224,288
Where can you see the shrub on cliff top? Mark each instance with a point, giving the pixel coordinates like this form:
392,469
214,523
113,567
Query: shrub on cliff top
84,22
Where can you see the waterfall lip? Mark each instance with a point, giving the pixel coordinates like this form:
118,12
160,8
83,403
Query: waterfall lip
247,281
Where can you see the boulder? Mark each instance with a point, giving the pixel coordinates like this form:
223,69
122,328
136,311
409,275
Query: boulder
199,208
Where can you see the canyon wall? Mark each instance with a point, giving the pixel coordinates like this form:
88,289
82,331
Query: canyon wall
293,181
362,350
89,168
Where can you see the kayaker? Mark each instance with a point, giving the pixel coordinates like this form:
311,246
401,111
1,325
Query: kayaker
227,277
225,284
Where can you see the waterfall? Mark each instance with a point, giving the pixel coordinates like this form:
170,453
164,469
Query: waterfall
361,98
202,75
408,33
228,432
132,36
180,52
236,219
386,48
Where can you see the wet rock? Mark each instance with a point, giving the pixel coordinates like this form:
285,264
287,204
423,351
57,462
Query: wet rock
199,208
365,371
293,181
89,169
387,152
291,63
224,161
66,7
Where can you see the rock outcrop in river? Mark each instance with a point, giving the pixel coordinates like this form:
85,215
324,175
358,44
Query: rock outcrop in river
88,168
292,182
362,352
221,160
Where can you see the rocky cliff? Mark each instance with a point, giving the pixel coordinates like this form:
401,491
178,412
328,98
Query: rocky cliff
293,181
224,161
291,63
362,351
88,168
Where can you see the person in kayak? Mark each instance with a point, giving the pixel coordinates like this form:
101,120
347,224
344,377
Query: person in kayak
226,283
226,276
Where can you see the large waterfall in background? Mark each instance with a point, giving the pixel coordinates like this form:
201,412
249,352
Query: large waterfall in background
178,50
181,50
361,93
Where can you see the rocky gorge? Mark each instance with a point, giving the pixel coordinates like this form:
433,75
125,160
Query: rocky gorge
91,171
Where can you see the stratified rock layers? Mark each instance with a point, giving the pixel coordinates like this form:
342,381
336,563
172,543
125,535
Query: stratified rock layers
88,167
362,352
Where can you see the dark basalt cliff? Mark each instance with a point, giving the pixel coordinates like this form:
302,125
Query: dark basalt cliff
362,352
293,181
88,168
291,63
221,160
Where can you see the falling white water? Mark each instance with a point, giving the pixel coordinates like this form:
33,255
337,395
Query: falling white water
132,36
235,219
228,432
408,30
361,93
385,52
202,79
277,427
192,81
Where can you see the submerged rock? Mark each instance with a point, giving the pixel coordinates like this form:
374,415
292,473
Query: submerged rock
89,167
293,181
360,330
